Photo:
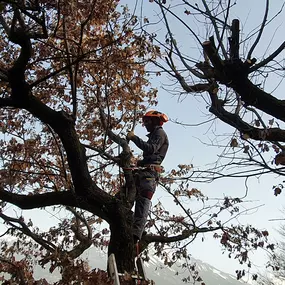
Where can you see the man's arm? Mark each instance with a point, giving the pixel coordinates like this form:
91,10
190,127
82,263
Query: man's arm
154,143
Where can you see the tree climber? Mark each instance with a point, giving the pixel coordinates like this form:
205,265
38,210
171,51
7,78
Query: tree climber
146,177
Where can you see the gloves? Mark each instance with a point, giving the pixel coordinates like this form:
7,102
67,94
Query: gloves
130,135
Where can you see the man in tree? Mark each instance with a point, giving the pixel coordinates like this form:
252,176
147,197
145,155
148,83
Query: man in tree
154,151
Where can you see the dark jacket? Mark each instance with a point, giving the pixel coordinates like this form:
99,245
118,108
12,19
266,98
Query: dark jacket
154,150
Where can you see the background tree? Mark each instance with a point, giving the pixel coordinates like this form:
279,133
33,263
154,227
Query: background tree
229,71
73,81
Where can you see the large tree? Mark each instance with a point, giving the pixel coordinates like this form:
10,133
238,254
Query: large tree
71,75
73,81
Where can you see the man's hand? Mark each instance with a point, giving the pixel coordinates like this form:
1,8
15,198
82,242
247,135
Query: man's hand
130,135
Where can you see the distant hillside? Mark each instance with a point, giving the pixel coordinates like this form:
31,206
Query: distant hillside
157,271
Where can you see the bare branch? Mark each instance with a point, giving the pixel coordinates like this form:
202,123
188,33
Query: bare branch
184,235
217,33
25,229
268,59
260,31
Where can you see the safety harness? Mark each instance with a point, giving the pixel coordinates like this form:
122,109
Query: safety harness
154,167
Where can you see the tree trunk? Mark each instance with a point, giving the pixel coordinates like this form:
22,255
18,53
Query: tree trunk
121,241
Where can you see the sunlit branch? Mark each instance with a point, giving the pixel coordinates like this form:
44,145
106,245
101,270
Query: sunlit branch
211,51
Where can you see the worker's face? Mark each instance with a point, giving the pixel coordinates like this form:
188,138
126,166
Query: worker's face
148,123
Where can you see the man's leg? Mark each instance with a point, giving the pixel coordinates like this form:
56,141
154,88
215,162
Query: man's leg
146,189
140,217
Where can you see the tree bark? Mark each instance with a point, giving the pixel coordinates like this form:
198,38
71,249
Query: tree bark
121,240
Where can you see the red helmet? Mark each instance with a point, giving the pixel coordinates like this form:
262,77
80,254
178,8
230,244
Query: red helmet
162,117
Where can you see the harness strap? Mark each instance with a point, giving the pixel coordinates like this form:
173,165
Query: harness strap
154,167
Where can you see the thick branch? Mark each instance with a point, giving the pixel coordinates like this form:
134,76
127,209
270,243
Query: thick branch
7,102
254,96
99,204
26,202
63,125
234,40
16,74
272,134
19,36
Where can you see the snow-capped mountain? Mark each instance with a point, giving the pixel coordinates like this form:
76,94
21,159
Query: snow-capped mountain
160,273
196,275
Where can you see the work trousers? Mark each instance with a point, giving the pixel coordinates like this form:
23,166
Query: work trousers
146,181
